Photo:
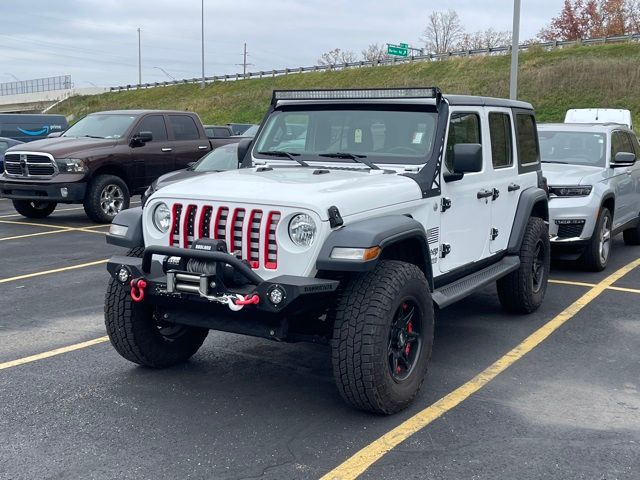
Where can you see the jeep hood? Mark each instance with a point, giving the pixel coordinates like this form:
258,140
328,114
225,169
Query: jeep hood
563,174
63,147
351,191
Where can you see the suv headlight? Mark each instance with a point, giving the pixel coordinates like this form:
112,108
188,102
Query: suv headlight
302,230
72,165
162,217
571,191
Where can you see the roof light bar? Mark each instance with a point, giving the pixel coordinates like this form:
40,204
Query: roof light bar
349,94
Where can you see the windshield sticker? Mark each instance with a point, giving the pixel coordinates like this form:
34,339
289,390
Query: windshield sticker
417,137
357,135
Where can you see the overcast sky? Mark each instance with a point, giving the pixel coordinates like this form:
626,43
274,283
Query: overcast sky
95,41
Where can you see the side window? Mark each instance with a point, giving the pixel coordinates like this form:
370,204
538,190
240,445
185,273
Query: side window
501,146
155,125
620,142
221,133
184,128
527,139
634,142
463,128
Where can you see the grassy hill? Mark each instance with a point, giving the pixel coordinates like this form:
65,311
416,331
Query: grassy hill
595,76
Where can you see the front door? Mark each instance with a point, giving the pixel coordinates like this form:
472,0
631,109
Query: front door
623,181
466,203
154,158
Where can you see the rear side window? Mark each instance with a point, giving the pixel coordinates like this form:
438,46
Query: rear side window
221,133
636,145
463,128
184,128
154,124
500,132
527,139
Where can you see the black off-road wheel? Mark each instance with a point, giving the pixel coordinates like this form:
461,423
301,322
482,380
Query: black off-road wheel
522,291
107,195
34,208
140,337
632,235
596,255
383,337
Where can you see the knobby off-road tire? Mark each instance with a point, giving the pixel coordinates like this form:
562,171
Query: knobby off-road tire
632,235
597,253
106,196
368,317
137,336
522,291
34,209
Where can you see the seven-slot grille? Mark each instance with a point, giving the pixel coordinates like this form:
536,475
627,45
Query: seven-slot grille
29,165
190,222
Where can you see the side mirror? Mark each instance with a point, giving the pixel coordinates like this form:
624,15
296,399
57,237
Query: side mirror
244,146
191,164
141,138
623,159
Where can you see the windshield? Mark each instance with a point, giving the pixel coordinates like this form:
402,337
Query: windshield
101,126
579,148
220,159
380,134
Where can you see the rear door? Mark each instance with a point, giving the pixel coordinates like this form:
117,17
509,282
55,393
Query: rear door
635,176
188,144
155,157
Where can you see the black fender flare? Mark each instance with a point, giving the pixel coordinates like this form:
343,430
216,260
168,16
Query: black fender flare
374,232
531,199
132,219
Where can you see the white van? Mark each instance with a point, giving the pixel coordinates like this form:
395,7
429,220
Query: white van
599,115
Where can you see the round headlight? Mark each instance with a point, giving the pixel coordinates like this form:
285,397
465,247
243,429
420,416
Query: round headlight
302,230
162,217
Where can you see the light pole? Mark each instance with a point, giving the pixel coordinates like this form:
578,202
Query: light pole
12,75
515,44
139,59
202,18
166,73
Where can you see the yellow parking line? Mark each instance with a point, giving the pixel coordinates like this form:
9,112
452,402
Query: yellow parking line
623,289
48,232
55,270
52,353
570,282
32,224
358,463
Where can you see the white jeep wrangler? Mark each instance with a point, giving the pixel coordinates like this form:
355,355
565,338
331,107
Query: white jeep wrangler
363,210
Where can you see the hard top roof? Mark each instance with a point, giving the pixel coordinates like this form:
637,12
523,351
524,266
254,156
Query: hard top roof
584,127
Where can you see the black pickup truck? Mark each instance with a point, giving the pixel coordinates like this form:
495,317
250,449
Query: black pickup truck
101,161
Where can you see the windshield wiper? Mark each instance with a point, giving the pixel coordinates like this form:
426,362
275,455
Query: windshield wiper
554,161
351,156
92,136
281,153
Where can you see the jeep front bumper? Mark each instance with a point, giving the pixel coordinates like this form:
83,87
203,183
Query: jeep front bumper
257,307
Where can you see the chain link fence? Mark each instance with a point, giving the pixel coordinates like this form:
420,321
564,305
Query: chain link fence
48,84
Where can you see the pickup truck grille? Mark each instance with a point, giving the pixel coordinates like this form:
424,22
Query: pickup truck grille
29,165
250,233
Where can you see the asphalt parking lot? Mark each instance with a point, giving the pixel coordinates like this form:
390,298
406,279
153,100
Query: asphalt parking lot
552,395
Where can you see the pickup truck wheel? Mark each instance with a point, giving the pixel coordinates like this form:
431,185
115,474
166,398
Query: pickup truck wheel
522,291
632,235
137,335
34,209
107,196
596,256
382,337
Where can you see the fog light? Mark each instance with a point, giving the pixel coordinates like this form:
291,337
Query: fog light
118,230
276,295
124,275
64,191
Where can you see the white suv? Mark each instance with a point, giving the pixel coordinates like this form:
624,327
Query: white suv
365,208
594,186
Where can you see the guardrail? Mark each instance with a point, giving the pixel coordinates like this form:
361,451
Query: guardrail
387,61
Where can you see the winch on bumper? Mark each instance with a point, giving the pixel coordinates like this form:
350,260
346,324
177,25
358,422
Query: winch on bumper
207,287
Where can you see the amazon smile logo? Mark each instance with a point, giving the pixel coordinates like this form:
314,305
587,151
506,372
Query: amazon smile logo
34,133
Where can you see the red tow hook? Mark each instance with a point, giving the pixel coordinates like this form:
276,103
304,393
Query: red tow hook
253,300
137,289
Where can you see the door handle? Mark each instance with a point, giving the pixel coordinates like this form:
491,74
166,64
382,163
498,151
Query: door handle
629,172
513,187
166,149
203,147
485,193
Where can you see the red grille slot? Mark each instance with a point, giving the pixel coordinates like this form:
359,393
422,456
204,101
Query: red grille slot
237,222
174,238
204,226
270,244
253,238
189,228
220,232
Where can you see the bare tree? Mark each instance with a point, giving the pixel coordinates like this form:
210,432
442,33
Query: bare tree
336,57
484,39
375,53
443,31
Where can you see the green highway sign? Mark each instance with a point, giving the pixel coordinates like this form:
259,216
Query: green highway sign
401,50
